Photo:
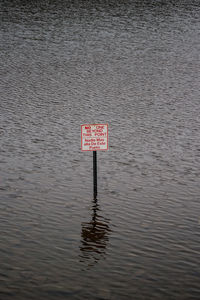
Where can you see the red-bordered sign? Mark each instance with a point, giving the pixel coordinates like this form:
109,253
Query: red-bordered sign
94,137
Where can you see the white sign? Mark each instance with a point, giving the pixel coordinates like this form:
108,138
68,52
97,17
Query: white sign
94,137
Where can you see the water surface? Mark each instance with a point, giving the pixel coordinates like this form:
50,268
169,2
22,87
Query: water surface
134,65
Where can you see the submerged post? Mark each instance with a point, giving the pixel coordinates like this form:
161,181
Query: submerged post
95,174
94,137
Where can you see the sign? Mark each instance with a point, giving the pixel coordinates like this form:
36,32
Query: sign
94,137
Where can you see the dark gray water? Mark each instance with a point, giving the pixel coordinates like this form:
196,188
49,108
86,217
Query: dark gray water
134,65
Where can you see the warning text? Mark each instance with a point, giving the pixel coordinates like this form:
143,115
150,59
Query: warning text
94,137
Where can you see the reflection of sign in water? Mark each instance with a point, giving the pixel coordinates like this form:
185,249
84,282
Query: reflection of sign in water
94,137
94,237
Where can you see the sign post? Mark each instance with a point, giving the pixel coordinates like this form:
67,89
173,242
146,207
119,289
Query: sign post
94,137
95,174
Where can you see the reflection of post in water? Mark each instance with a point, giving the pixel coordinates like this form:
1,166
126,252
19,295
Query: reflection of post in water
94,236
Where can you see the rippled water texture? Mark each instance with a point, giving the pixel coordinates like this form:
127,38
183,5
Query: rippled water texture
134,65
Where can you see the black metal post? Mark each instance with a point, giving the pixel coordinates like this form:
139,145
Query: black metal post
95,174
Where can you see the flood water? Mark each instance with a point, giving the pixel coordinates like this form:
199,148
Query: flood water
134,65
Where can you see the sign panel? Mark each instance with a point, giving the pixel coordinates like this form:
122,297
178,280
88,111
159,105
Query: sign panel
94,137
